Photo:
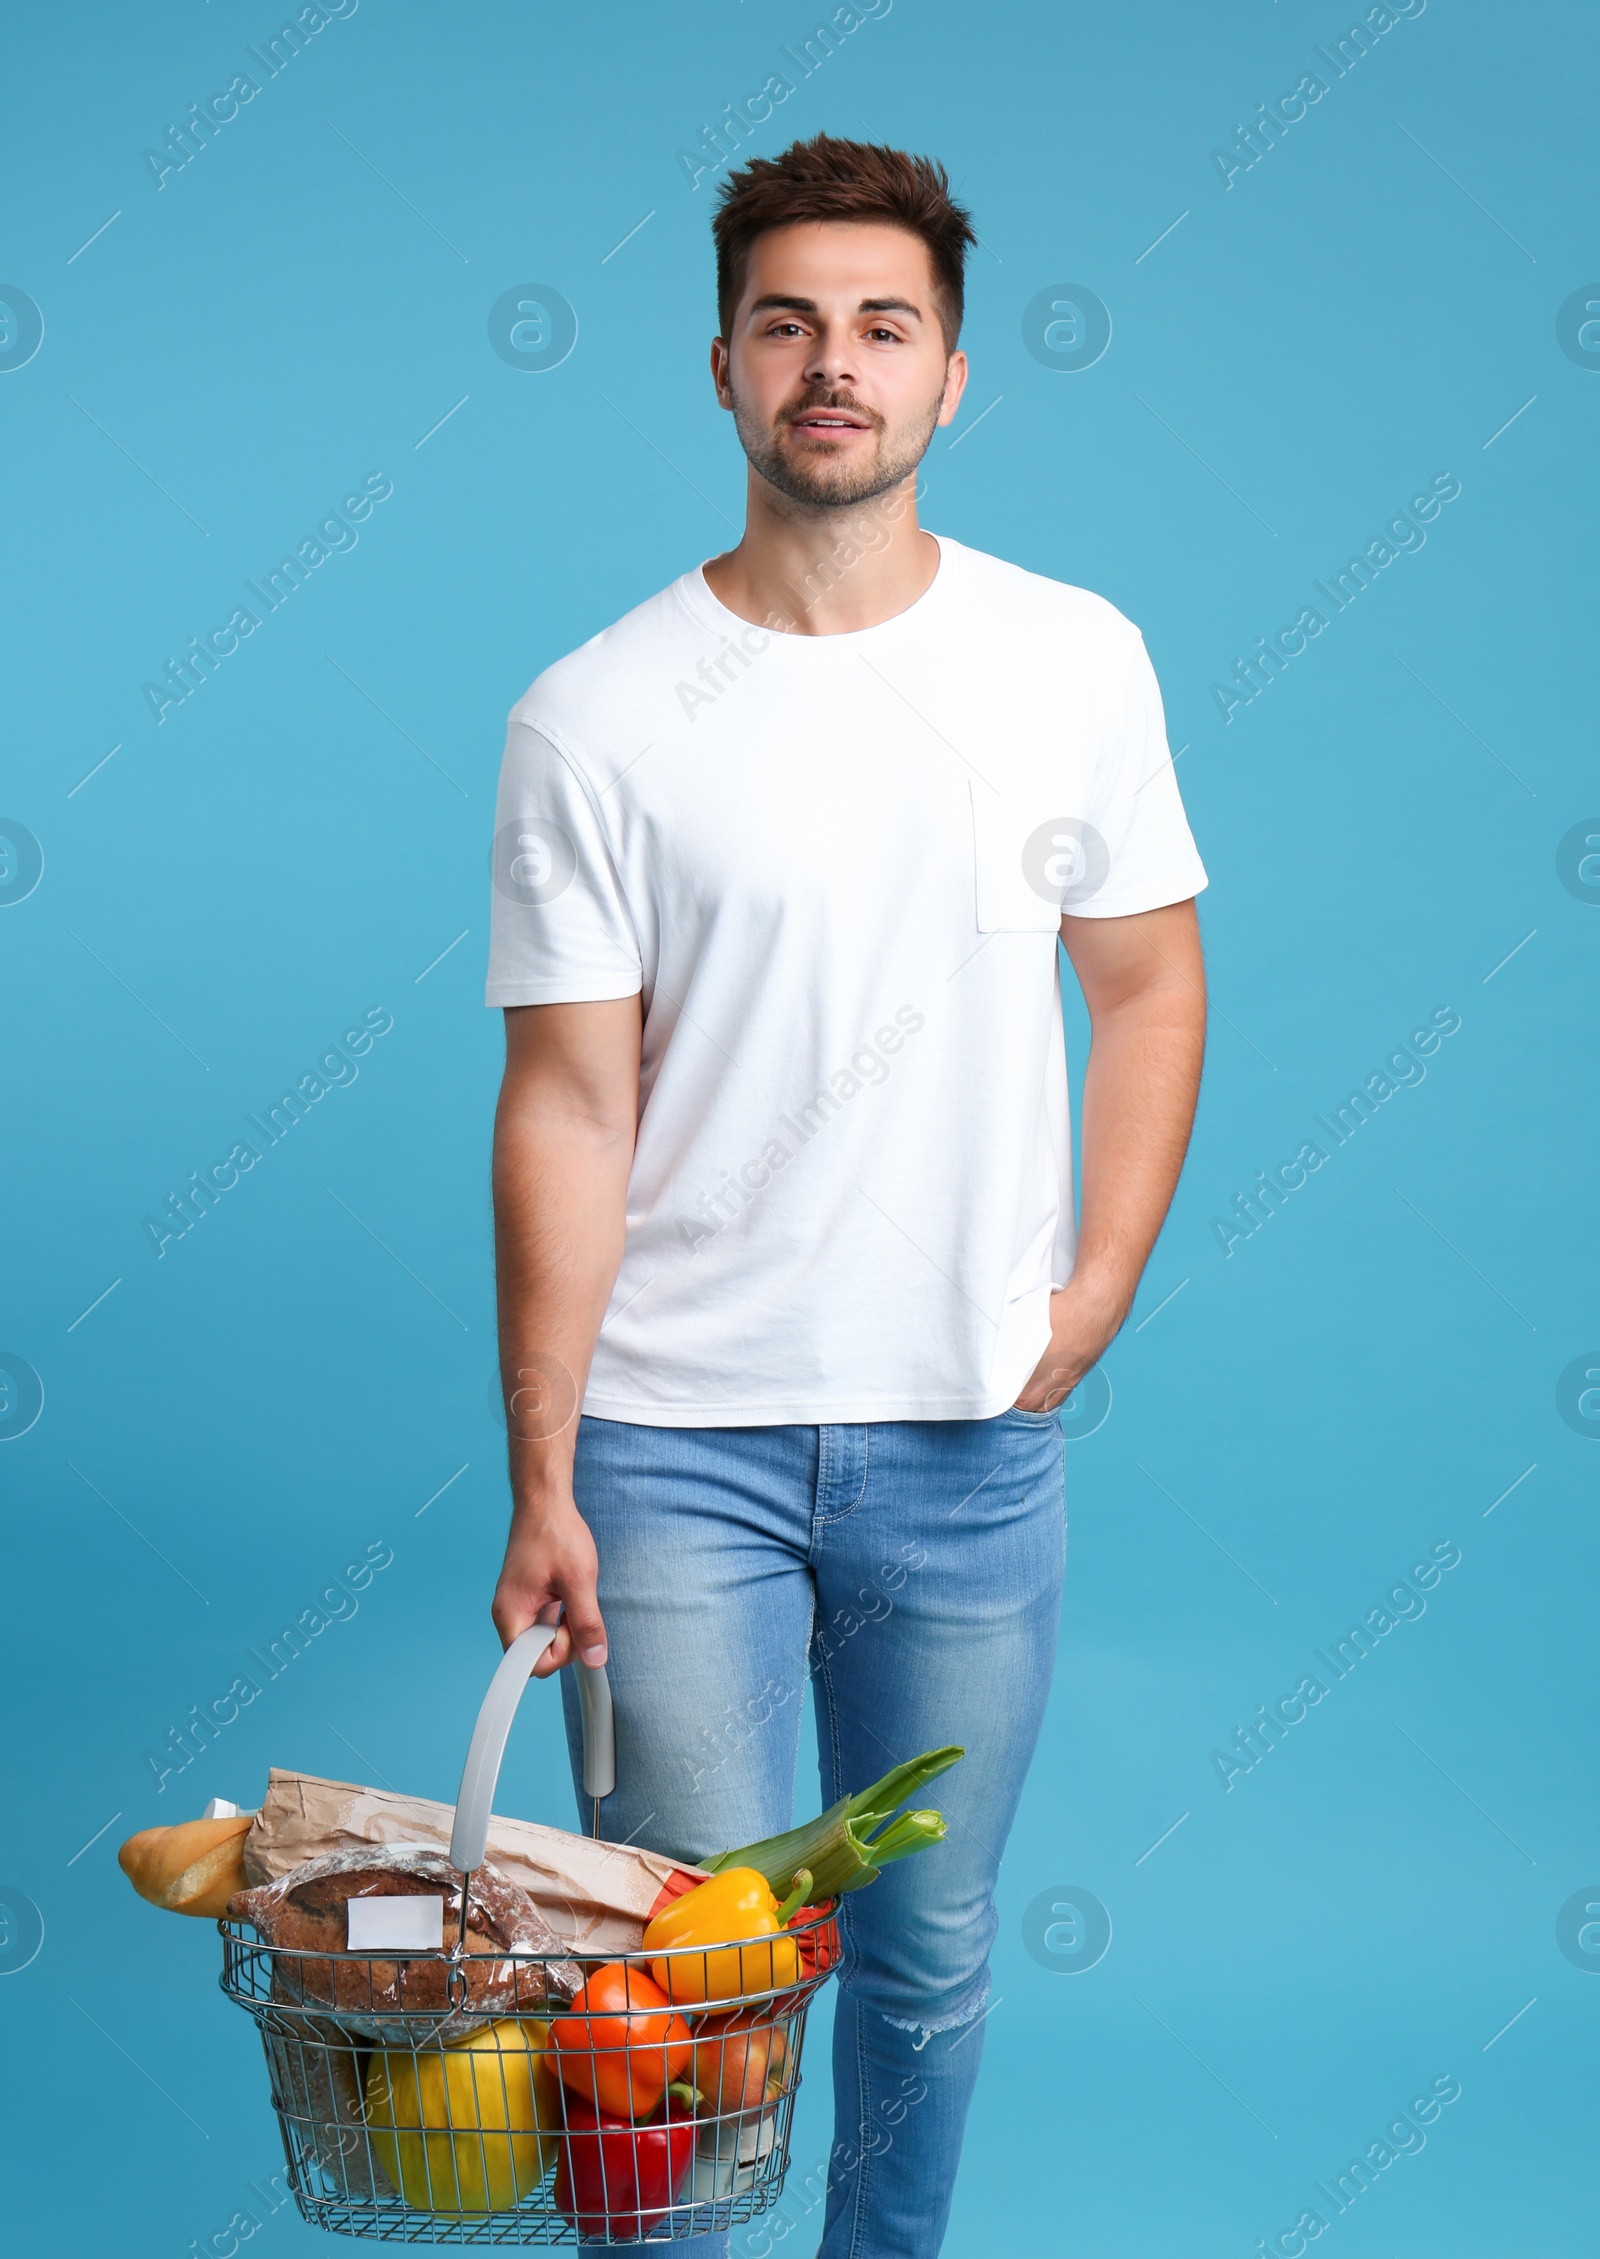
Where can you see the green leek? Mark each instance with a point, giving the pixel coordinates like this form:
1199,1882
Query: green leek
839,1846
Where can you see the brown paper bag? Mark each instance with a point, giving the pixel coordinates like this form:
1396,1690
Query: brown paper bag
596,1896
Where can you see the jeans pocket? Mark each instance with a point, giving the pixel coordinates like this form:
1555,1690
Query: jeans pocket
1039,1419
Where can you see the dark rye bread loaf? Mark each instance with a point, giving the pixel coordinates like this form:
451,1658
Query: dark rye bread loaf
303,1916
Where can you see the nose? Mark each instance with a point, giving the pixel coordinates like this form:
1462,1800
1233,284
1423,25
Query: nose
831,360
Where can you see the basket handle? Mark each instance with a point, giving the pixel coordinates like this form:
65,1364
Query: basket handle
470,1834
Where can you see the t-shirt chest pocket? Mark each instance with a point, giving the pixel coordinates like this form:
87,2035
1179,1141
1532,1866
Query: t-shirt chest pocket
1030,865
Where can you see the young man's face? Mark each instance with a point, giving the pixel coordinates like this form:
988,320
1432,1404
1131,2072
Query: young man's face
836,370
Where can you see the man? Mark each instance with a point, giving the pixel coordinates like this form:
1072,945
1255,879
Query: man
783,1177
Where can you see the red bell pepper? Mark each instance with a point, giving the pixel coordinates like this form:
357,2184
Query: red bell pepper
674,1887
617,2177
820,1948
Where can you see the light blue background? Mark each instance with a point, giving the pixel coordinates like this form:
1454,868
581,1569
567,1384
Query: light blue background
1363,1379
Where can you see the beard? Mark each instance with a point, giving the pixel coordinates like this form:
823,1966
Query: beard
825,482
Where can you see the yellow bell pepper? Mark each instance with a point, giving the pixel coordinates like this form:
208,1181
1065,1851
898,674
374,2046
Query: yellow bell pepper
732,1906
463,2130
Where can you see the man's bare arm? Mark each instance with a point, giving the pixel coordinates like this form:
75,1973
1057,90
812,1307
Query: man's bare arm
1143,980
563,1147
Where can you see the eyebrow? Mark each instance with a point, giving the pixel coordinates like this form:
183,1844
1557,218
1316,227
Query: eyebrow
782,301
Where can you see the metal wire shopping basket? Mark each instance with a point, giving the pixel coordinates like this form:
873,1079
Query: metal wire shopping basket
437,2123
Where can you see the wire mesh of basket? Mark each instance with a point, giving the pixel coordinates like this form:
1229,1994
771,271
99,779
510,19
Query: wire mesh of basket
503,2136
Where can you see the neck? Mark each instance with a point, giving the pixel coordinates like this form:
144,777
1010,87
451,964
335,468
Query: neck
810,571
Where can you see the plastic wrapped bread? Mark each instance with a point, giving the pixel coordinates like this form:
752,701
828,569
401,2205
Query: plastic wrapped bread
391,1994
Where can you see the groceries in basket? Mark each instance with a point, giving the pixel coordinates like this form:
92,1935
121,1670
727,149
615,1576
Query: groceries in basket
192,1869
312,1913
738,2061
471,2128
693,1939
597,1895
838,1850
621,2046
618,2179
467,2017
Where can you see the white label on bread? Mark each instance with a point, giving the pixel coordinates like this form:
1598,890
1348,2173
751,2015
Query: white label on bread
401,1924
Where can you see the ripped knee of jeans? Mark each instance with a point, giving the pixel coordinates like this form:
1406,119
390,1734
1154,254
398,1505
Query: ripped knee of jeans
959,2020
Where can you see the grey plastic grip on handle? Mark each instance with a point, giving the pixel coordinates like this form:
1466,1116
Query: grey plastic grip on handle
599,1729
480,1776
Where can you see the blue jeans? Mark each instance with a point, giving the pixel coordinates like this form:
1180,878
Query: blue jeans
912,1570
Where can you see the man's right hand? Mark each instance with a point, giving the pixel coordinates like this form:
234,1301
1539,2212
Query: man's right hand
550,1569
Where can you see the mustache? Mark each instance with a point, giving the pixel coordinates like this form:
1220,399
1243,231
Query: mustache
845,403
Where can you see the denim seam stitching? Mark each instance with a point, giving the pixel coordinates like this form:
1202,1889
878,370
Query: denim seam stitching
858,2218
824,1456
864,2171
835,1751
826,1520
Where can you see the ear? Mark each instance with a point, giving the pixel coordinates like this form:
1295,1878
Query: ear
955,383
721,362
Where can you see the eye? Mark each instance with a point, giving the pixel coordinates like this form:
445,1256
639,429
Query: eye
891,335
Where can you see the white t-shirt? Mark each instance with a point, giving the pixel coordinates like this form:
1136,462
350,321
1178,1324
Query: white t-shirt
835,865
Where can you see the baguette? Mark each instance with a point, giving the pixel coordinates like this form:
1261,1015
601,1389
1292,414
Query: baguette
194,1868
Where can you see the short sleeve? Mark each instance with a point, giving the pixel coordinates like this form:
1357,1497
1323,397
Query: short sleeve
1135,806
559,929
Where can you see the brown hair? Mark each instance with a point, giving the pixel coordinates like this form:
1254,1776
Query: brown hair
829,179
